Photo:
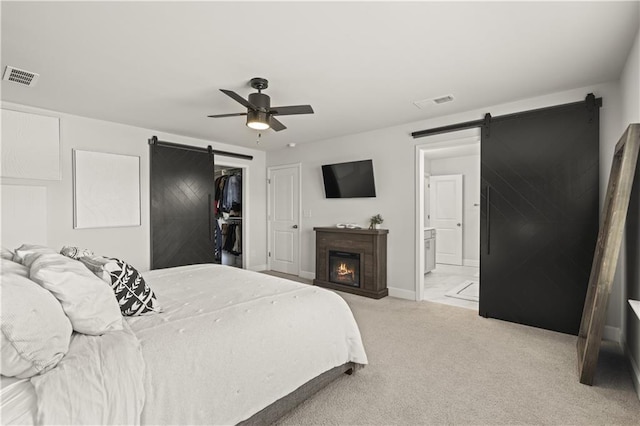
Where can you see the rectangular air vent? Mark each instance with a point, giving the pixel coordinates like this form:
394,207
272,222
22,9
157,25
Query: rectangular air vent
426,103
26,78
443,99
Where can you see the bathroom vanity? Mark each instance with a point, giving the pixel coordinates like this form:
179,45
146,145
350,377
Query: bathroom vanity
429,249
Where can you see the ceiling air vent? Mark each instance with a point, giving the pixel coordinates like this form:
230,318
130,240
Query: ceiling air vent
426,103
443,99
26,78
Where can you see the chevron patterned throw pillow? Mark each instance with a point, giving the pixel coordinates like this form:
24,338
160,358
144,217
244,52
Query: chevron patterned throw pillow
134,296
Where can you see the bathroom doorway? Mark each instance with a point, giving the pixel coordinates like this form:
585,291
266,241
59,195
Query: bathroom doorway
448,169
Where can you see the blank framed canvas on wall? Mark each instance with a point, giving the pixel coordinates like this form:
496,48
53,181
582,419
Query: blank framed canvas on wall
106,190
30,146
24,215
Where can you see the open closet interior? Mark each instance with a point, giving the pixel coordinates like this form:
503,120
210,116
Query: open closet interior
227,213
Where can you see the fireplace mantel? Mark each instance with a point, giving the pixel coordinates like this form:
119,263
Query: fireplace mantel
370,244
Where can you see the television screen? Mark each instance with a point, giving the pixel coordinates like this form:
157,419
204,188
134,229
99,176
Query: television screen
349,180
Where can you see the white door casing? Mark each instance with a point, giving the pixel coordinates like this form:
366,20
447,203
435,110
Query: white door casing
445,212
436,142
284,219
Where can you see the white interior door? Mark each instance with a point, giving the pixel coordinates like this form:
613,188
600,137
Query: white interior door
445,213
284,215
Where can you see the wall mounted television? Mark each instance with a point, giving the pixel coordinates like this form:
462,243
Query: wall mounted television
349,180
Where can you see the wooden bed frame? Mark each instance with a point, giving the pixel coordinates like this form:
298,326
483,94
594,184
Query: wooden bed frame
275,411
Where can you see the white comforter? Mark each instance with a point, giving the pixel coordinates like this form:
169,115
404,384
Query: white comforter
230,342
99,381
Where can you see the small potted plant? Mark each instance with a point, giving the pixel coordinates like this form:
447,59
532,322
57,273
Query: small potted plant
375,221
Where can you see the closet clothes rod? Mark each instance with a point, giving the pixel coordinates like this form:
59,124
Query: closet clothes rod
154,141
231,220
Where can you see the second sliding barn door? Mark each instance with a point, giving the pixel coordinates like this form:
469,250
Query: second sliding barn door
539,213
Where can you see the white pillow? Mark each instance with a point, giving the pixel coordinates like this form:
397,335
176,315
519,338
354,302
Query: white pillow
86,299
7,254
35,331
11,267
31,250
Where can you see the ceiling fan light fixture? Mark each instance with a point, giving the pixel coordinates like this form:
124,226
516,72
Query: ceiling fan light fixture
260,115
258,120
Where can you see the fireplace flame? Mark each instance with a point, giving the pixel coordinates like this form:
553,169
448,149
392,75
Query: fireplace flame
344,272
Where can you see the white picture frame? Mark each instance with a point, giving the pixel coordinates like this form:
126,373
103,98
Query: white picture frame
30,146
106,190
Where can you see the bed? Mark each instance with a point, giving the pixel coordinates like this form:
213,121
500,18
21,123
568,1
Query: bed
229,346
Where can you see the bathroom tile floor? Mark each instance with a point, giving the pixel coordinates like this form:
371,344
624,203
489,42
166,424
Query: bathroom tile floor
446,277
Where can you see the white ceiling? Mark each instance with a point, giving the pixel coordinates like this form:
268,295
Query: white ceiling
159,65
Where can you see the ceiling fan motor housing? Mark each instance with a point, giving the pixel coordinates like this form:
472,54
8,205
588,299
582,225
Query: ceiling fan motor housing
260,100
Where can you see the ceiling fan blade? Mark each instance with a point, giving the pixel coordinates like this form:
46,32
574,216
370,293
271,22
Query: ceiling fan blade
276,125
239,99
291,110
227,115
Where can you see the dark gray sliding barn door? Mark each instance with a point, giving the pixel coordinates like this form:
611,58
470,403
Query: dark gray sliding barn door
181,184
539,213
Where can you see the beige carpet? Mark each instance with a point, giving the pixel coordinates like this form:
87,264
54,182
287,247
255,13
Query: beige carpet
436,364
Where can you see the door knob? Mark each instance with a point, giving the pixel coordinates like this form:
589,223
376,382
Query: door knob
459,224
295,226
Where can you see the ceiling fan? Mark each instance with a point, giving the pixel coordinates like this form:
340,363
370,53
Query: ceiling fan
260,114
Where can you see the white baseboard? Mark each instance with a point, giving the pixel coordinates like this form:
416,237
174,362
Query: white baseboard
635,371
308,275
257,268
613,334
401,293
471,262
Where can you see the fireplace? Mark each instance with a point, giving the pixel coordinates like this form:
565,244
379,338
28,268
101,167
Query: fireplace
344,268
352,260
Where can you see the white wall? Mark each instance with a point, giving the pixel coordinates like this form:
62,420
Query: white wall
131,243
469,168
393,152
630,113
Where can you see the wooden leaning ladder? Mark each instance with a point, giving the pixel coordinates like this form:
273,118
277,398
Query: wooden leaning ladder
607,251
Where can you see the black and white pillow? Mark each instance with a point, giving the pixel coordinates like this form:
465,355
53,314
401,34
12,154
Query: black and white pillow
133,294
75,252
